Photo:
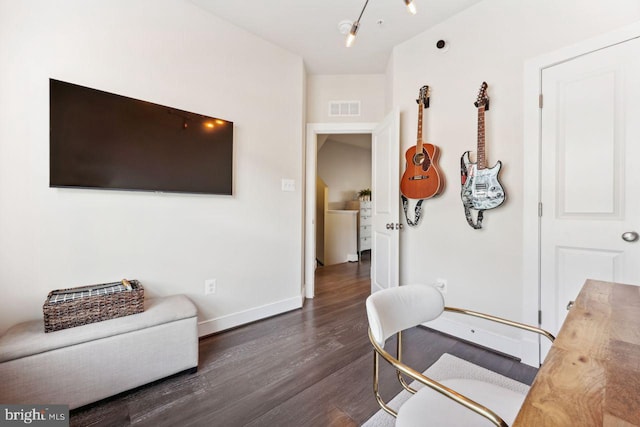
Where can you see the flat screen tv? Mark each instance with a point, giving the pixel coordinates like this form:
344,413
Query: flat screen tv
103,140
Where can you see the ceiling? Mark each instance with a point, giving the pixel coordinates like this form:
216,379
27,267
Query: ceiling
310,28
361,141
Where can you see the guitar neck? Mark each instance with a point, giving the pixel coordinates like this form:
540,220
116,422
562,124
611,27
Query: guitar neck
419,140
481,158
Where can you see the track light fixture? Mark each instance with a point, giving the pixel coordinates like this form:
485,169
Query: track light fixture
354,28
356,25
411,6
352,33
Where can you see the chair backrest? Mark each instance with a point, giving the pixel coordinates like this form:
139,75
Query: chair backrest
395,309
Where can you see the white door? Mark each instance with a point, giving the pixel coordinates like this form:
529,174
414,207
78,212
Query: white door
385,146
590,191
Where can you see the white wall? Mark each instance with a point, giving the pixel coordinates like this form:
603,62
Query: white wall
367,88
172,53
345,169
488,42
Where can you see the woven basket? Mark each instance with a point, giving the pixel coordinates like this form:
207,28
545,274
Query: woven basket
67,308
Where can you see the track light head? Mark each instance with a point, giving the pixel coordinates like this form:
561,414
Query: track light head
352,33
411,6
354,28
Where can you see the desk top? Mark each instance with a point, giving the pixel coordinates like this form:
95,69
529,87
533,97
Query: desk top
591,376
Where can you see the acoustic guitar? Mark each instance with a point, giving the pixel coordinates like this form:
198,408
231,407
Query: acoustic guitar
481,189
422,177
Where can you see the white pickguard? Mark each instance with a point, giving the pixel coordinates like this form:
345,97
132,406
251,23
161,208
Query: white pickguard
481,190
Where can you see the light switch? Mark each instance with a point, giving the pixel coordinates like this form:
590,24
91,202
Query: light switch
288,185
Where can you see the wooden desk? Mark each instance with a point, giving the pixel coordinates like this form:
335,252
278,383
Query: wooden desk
591,376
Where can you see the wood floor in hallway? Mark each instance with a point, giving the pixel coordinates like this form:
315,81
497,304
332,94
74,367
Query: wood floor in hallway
308,367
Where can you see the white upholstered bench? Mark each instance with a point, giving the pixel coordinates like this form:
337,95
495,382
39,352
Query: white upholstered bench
81,365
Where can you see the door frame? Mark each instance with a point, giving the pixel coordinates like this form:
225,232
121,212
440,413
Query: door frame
532,164
313,130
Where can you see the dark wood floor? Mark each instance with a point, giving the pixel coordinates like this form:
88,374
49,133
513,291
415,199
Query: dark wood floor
308,367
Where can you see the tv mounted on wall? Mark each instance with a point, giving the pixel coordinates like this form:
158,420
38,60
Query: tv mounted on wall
103,140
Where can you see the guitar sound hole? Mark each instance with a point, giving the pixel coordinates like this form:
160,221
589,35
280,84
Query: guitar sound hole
421,159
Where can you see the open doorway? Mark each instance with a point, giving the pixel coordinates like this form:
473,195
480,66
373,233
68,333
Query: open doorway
343,183
385,207
317,135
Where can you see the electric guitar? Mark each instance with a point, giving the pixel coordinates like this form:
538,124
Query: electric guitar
481,189
421,178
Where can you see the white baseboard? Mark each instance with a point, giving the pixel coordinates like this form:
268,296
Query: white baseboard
524,350
531,352
218,324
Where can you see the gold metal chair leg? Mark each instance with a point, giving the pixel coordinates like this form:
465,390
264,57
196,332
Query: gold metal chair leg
401,379
381,402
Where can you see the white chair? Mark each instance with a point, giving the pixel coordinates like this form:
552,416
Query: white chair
454,402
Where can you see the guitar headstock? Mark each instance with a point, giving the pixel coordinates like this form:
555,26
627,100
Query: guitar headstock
483,98
423,97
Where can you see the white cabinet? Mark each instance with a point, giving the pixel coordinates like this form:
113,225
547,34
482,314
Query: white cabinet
340,236
364,227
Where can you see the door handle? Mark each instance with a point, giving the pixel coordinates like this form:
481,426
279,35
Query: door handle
570,305
630,236
389,226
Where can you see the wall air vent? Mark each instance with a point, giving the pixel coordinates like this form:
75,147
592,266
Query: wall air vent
344,108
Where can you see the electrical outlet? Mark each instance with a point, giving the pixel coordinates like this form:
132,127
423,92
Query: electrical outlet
210,286
441,285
